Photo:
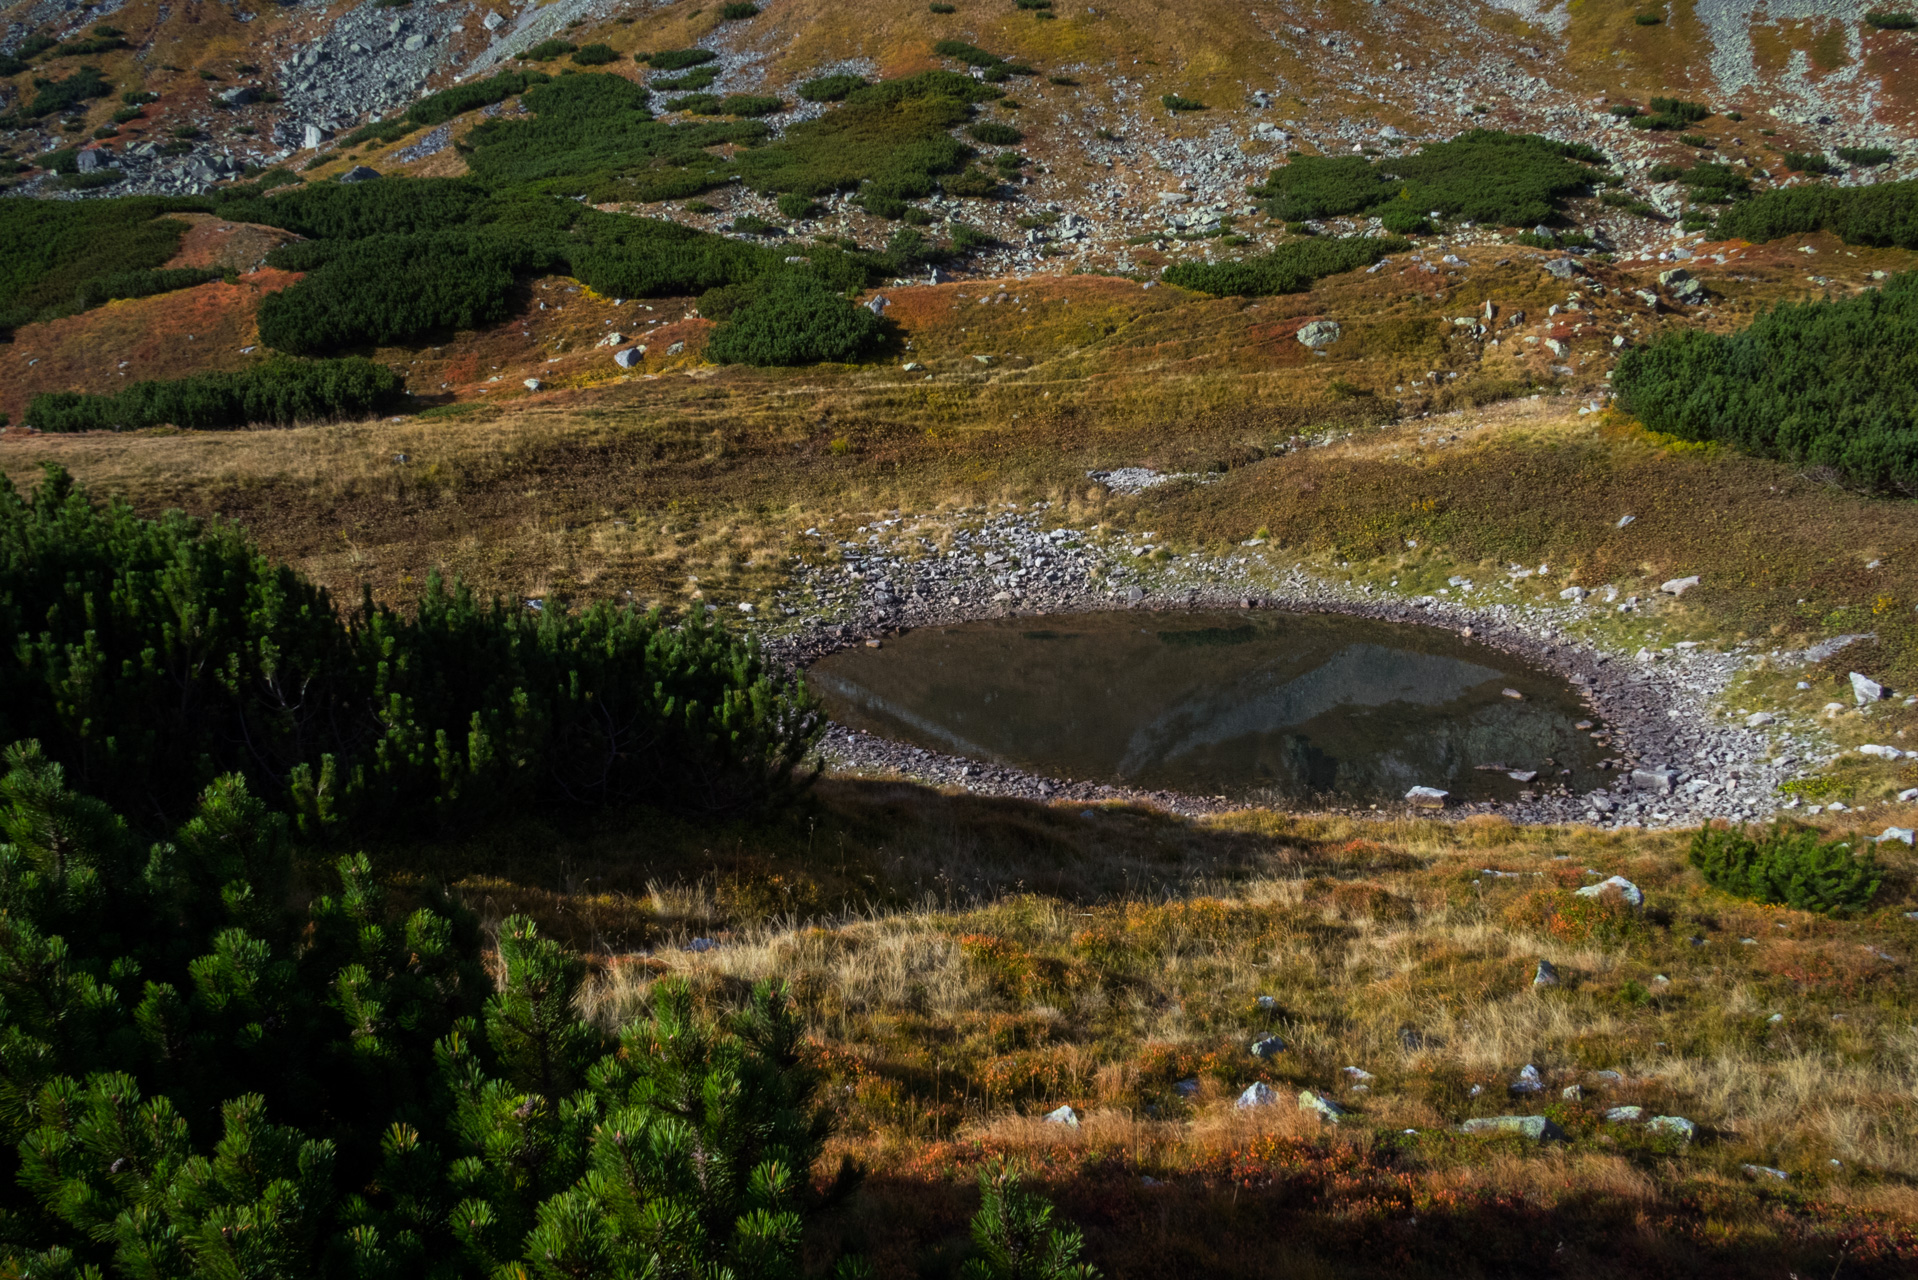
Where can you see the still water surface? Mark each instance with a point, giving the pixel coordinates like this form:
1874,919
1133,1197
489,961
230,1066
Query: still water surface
1262,705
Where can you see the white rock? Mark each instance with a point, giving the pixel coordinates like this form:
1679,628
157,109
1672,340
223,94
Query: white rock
1882,752
1320,1105
1865,689
1319,333
1901,834
1632,894
1624,1115
1258,1095
1065,1116
1427,797
1765,1171
912,366
1625,520
1573,593
1546,976
532,384
1359,1075
492,22
628,358
1529,1081
1679,586
1908,795
1759,719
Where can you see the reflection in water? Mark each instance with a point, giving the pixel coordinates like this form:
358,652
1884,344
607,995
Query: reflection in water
1280,705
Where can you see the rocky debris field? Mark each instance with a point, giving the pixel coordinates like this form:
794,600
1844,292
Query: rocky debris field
1676,759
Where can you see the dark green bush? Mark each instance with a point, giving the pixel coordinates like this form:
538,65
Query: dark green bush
1891,20
1290,268
1866,155
52,250
594,55
697,78
747,104
1647,19
753,224
679,59
738,10
830,88
943,8
698,104
205,1080
1716,183
972,184
1016,1237
995,134
1808,162
280,391
1671,113
68,94
383,131
970,54
388,289
965,238
1486,176
884,141
794,319
354,212
1174,102
547,50
1884,215
438,108
1786,866
152,657
1831,384
139,283
794,205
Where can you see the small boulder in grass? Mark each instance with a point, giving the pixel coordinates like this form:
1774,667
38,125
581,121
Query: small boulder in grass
1537,1128
1547,975
1764,1172
1065,1116
1321,1106
1528,1081
1631,893
1624,1115
1267,1046
1427,798
1676,1126
1259,1094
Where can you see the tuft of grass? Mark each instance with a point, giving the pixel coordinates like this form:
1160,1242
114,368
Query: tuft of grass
1177,102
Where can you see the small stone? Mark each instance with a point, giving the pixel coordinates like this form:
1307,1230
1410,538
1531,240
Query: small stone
1547,975
1625,520
1513,694
1765,1171
1759,719
1267,1004
1677,1125
1187,1088
701,944
1659,780
676,349
415,43
1358,1075
531,384
1267,1046
492,22
1901,834
1321,1106
629,357
1679,586
1528,1081
1319,333
1633,895
874,644
359,173
1625,1115
1521,775
1427,798
1259,1094
912,366
312,136
1865,689
1065,1116
1573,594
240,96
1572,1093
1537,1128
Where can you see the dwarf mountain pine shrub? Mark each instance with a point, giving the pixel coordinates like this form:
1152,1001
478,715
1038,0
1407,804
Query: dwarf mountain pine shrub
1788,866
